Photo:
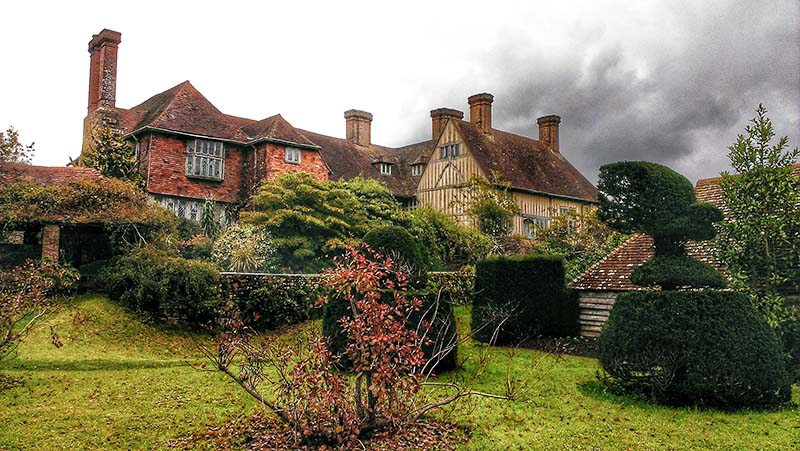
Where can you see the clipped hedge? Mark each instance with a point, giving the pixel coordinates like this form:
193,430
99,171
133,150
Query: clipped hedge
672,271
172,289
271,301
435,309
709,348
457,288
395,242
517,298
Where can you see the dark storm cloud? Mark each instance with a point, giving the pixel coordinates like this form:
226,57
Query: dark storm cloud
700,88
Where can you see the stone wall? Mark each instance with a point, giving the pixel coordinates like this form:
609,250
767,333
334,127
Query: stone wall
238,286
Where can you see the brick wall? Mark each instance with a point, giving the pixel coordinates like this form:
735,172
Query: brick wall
167,171
50,242
310,161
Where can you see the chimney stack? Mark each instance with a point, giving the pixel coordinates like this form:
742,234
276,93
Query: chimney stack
359,127
103,69
439,119
480,111
548,130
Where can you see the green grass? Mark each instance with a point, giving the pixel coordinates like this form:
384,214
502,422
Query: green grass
120,384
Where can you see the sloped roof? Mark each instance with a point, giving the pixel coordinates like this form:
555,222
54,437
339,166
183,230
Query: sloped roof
184,109
45,175
613,272
526,163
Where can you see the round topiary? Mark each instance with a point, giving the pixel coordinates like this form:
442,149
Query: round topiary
397,243
670,272
707,348
440,352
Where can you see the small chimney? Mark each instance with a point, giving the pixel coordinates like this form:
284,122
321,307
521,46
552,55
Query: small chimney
548,130
439,119
103,69
359,127
480,111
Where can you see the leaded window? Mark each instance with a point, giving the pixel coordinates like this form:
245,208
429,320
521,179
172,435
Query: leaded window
205,159
386,168
533,223
449,150
416,169
293,155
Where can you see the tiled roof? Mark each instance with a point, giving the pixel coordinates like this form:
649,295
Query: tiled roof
613,272
276,127
44,175
526,163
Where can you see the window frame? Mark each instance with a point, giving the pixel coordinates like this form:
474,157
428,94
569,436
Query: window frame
451,150
290,152
416,170
210,158
530,224
385,168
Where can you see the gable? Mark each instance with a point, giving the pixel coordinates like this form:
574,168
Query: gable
445,170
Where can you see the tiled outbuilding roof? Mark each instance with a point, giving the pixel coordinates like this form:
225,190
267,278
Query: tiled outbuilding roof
45,175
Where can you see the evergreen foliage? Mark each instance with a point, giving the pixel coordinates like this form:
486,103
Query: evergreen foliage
395,242
522,297
112,155
708,348
244,248
653,199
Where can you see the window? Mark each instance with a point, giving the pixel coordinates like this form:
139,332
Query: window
563,210
293,155
416,169
531,224
449,150
205,159
386,168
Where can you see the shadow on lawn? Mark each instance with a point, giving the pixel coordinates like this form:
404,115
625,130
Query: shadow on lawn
88,365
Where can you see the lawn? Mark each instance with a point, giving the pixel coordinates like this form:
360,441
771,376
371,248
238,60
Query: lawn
118,383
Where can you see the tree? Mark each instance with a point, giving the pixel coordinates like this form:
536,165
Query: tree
112,155
307,218
581,238
655,200
13,151
490,204
760,240
208,219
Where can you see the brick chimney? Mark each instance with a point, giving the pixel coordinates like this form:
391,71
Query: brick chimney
103,69
439,119
548,130
359,127
480,111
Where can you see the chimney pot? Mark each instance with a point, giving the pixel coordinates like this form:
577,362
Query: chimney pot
103,69
439,119
358,127
548,130
480,111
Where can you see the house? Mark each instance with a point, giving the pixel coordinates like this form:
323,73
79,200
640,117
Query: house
600,284
189,151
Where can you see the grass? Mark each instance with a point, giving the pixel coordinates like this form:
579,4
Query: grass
118,383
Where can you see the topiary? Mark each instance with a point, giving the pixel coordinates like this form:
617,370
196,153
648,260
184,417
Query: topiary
517,298
397,243
707,348
655,200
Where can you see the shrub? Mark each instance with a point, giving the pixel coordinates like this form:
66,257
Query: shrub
244,248
172,289
671,272
707,347
789,332
397,243
92,276
517,298
280,302
62,279
443,243
457,288
196,248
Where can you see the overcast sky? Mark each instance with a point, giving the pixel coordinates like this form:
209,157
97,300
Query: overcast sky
667,81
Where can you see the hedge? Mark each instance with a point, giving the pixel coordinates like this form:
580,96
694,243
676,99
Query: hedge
173,289
271,301
708,348
395,242
517,298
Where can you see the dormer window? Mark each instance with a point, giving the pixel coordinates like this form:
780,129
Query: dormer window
449,150
292,155
386,168
416,170
205,159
